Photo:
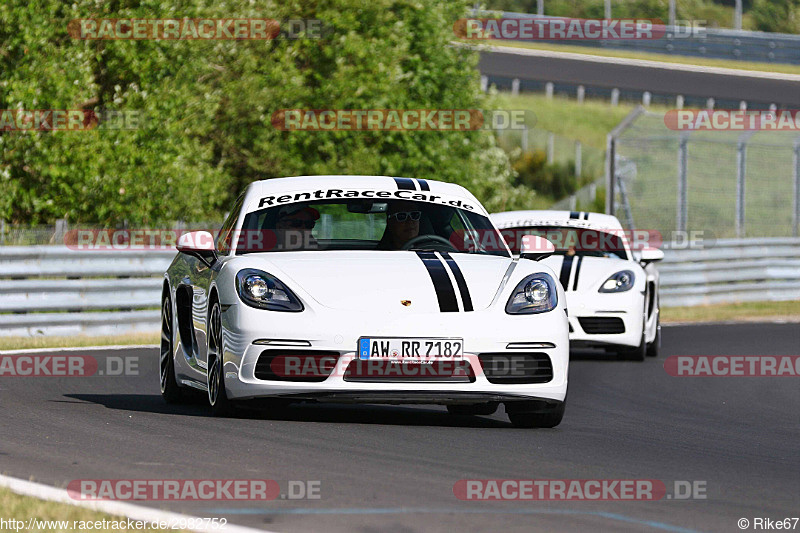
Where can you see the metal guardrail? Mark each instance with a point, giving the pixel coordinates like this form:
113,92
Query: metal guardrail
715,43
53,290
732,270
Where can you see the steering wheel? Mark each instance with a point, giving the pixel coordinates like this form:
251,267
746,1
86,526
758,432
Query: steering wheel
428,237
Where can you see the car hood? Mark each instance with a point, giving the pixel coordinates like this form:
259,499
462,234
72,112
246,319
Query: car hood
381,281
591,272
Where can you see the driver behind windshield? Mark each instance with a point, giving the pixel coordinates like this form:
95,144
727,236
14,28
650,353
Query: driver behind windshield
402,225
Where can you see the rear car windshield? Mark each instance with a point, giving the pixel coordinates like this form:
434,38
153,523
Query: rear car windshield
572,241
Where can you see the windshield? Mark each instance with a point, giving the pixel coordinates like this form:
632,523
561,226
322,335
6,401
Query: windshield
365,224
572,241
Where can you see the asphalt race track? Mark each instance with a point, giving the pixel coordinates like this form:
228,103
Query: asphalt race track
563,68
386,468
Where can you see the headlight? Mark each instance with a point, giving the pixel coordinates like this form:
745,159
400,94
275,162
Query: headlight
534,294
619,282
261,290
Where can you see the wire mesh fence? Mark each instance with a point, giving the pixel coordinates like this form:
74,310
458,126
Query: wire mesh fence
729,184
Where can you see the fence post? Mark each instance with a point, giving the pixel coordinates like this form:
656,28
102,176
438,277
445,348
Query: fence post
61,231
796,215
737,15
611,170
581,93
578,159
515,87
2,231
550,148
525,139
540,7
611,156
683,185
607,10
672,13
741,162
614,96
548,90
484,83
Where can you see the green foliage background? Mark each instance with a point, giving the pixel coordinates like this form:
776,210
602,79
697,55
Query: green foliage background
208,106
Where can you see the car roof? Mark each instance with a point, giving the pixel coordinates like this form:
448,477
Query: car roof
295,184
580,219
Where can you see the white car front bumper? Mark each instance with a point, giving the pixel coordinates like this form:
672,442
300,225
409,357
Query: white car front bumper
484,331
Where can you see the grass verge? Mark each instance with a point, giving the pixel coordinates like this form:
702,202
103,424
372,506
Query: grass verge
57,517
22,343
650,56
744,312
588,122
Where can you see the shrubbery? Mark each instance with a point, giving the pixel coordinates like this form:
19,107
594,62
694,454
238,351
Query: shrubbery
208,106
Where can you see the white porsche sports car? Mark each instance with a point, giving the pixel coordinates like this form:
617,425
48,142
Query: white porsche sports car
612,291
354,289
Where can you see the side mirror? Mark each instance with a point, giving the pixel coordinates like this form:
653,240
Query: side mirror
649,255
199,244
535,248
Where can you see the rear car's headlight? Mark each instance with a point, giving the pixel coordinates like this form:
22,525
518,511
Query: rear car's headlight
534,294
264,291
619,282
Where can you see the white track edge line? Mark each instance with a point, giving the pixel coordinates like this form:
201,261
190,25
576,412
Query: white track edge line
128,510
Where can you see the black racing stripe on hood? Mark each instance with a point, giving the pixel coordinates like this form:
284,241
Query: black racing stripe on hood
423,185
441,282
574,215
460,281
577,273
566,267
405,184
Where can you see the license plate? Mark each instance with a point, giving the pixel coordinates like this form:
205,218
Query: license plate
400,348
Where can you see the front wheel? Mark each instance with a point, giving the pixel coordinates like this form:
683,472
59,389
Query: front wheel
217,397
655,346
170,390
535,413
477,409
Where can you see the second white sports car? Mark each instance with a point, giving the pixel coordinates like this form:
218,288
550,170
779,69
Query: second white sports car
612,291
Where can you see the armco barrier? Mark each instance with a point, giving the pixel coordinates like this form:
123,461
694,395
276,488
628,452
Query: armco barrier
732,270
714,43
52,290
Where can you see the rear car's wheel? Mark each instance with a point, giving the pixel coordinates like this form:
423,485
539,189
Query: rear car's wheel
474,409
637,353
217,397
535,413
170,389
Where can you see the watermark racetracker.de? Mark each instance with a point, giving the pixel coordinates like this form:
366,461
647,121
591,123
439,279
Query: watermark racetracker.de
69,365
733,365
577,490
237,29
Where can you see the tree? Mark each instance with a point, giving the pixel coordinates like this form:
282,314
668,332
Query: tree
208,106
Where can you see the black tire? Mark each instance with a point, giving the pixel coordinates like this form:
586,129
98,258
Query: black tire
170,390
473,410
654,347
217,396
639,352
535,413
